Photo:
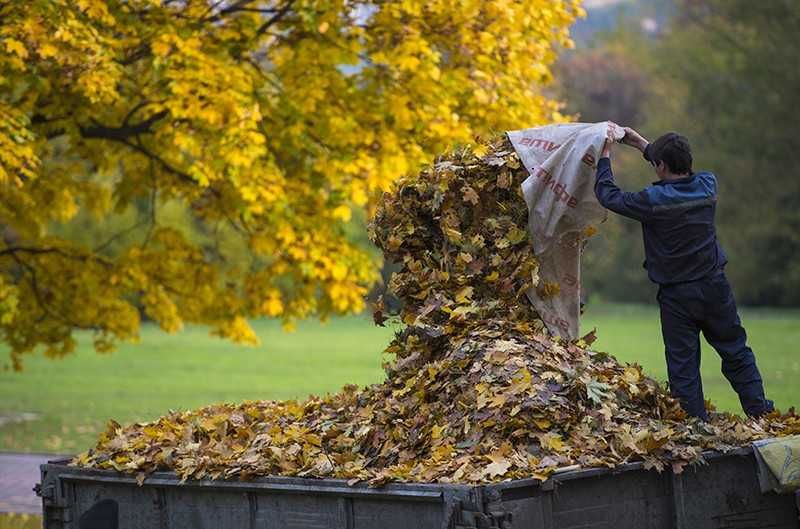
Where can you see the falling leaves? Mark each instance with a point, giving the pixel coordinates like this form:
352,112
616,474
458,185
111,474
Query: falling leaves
477,390
459,233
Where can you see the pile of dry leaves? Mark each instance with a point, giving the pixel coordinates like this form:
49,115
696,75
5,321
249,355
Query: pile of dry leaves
477,392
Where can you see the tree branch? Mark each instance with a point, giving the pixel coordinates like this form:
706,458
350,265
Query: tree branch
45,308
153,196
139,53
236,7
38,119
124,131
120,138
133,111
117,235
275,18
33,250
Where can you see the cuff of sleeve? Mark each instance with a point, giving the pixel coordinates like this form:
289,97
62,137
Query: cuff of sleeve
604,162
646,153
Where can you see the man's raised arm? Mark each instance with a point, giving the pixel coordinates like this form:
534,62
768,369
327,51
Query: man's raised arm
634,205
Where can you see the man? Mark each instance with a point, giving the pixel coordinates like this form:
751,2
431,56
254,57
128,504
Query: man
683,257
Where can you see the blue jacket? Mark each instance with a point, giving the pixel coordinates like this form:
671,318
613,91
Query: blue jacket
680,240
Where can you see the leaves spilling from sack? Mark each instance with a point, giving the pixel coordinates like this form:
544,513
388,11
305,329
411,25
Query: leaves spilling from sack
477,391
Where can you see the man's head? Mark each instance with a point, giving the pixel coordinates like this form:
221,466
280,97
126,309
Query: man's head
671,155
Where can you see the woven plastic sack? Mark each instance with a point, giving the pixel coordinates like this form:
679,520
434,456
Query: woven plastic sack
562,208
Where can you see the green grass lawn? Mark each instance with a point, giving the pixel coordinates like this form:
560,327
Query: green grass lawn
72,398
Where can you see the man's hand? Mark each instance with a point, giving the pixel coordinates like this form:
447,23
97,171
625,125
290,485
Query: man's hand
634,139
612,128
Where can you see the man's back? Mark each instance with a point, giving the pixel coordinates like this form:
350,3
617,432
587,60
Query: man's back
679,236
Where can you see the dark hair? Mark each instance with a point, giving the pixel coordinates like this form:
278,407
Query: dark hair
674,150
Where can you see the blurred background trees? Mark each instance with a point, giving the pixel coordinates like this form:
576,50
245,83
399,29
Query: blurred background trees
723,73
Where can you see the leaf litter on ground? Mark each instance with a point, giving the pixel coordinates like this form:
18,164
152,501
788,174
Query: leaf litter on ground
477,391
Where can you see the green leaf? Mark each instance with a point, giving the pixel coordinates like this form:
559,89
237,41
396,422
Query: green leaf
597,391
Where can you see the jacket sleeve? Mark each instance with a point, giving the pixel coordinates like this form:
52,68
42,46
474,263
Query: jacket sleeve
634,205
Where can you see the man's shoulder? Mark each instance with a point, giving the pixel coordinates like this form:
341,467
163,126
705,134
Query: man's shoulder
705,175
707,180
700,188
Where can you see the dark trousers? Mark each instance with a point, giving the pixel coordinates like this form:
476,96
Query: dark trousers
707,305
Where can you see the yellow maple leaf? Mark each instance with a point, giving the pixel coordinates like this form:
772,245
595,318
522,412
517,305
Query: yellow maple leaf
15,46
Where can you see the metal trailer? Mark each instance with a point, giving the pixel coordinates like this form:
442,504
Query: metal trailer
724,494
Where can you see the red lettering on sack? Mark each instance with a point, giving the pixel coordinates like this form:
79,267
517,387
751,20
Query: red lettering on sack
559,189
588,159
543,144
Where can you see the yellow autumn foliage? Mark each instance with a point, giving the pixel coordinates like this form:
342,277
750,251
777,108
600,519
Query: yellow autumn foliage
268,120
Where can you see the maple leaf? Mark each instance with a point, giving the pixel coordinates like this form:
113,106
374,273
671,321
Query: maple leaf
552,441
465,294
631,375
498,467
597,391
504,179
470,195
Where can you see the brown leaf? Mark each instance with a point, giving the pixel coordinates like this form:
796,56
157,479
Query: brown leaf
470,195
590,337
378,312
